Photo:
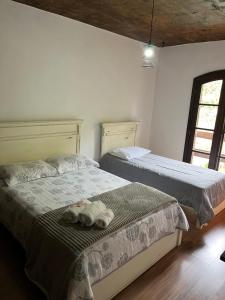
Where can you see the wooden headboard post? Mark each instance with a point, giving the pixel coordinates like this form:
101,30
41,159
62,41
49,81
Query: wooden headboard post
23,141
120,134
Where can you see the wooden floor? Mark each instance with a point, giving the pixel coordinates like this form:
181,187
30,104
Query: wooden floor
191,272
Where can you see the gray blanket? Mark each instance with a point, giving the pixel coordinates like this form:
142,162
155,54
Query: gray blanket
196,187
55,250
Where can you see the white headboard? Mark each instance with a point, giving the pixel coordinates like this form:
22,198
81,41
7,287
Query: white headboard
114,135
23,141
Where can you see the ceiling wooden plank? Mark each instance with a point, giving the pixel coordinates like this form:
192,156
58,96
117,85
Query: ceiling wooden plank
176,22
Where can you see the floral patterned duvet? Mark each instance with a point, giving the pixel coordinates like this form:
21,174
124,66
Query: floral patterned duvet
22,204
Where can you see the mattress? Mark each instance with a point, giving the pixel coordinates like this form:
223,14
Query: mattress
22,204
199,188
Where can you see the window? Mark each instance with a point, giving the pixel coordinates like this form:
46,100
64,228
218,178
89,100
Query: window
205,139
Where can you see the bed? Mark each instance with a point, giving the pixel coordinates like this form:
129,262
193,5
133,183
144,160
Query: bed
113,261
201,192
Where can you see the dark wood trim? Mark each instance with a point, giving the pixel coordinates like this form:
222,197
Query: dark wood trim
191,122
207,104
206,129
192,118
211,76
201,152
218,135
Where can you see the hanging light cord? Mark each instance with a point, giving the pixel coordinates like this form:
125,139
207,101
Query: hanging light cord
151,28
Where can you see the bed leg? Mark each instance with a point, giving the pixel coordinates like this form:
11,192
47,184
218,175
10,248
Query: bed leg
179,237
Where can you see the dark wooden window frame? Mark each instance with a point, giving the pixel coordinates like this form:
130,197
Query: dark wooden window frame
220,119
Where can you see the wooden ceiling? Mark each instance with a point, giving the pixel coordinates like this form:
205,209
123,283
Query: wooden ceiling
176,21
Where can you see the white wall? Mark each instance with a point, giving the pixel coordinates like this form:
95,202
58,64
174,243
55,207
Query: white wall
178,66
52,67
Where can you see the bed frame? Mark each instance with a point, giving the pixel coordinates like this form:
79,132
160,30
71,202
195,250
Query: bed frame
114,283
115,135
123,134
24,141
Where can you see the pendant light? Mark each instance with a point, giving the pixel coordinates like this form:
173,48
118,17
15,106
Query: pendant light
149,49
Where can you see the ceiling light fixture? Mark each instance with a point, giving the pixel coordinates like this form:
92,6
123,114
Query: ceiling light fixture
149,49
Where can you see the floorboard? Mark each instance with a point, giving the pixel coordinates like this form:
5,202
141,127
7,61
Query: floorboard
190,272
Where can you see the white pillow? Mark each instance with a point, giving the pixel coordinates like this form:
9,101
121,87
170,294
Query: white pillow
71,163
128,153
26,171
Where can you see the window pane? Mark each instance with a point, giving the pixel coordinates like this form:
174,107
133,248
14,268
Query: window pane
199,159
203,140
223,146
222,165
206,116
210,92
